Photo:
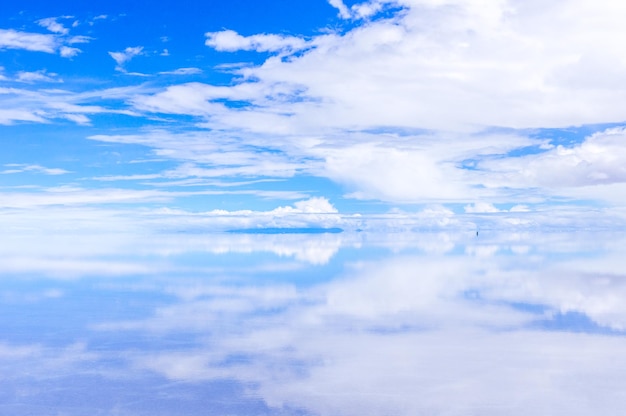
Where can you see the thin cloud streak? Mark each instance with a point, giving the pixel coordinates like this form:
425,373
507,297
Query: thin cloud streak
12,39
123,57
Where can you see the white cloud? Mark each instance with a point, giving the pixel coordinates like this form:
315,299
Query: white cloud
68,52
231,41
52,24
520,208
77,118
183,71
213,154
368,9
68,196
12,39
37,76
314,212
45,105
481,208
344,12
192,98
599,159
362,10
317,205
48,43
79,39
121,58
590,170
19,168
8,116
23,209
393,108
447,66
393,174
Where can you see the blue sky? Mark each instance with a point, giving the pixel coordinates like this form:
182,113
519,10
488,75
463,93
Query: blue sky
380,113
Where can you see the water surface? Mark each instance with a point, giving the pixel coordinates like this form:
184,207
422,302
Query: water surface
313,324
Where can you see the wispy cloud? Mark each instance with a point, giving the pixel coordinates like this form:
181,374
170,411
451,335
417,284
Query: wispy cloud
13,39
365,9
37,76
49,43
68,196
10,116
599,159
182,71
123,57
344,12
20,168
53,25
231,41
213,155
68,52
45,105
78,39
369,8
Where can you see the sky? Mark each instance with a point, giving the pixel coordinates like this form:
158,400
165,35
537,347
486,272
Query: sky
379,114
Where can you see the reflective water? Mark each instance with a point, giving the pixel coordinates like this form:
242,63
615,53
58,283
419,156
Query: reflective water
324,324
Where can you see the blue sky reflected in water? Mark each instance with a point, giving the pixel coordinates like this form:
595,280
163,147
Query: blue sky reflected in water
323,324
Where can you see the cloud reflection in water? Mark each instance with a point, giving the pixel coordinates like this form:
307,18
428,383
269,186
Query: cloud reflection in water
349,324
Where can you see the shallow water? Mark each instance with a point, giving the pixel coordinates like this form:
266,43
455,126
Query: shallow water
321,324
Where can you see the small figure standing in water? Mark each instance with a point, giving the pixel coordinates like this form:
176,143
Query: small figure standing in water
477,233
